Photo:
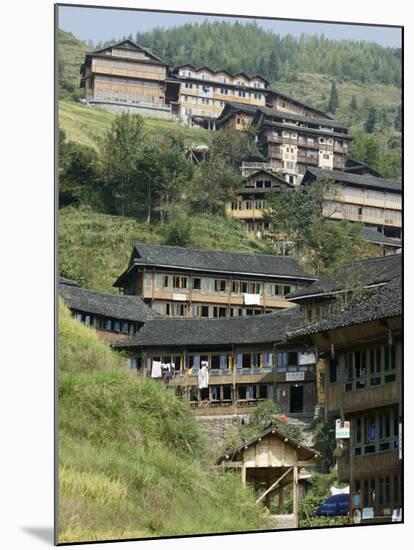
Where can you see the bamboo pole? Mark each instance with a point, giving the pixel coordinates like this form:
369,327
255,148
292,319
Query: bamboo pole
274,485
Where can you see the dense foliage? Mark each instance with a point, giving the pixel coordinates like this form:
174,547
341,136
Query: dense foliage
125,442
247,47
138,174
381,154
298,217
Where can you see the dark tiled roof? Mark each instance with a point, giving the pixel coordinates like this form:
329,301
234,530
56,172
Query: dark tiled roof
307,130
216,261
303,451
255,329
374,236
360,180
274,113
382,303
352,165
363,273
300,102
116,306
134,47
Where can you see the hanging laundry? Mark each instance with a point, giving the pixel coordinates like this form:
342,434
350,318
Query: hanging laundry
203,375
156,370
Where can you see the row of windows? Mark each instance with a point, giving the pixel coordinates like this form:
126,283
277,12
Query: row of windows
371,367
203,310
224,80
287,361
248,205
220,361
382,493
206,285
376,432
105,323
224,392
370,194
392,217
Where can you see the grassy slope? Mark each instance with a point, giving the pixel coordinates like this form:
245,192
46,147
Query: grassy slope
86,125
133,462
95,248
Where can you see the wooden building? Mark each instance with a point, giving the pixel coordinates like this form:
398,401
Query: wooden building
360,340
283,102
203,92
236,116
251,201
362,197
271,464
126,76
113,316
247,358
292,143
186,282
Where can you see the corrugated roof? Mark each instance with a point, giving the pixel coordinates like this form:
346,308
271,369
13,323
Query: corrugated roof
255,329
116,306
363,273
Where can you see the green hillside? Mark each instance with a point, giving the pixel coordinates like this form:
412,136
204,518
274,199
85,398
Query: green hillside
132,460
94,248
86,125
306,77
71,53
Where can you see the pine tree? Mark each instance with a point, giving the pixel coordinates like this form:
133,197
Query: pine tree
273,66
353,106
371,120
333,99
398,121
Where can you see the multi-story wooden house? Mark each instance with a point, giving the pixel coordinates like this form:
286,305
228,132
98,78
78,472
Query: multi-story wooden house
248,361
236,116
293,143
185,282
126,76
283,102
361,344
374,201
113,316
251,200
203,93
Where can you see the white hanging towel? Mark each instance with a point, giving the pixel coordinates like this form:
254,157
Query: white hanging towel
156,371
203,376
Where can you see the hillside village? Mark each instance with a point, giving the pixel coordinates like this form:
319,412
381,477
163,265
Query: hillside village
231,330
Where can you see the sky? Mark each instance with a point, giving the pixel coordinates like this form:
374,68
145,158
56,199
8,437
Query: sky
104,24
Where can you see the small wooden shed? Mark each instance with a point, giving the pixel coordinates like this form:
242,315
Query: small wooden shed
271,462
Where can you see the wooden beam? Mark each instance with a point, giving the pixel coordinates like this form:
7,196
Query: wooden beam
295,497
273,486
243,474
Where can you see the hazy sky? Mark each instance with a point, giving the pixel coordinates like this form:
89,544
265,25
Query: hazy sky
105,24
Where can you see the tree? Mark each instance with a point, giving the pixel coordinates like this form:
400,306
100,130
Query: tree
79,174
299,216
273,66
121,155
353,105
177,230
333,99
398,120
371,120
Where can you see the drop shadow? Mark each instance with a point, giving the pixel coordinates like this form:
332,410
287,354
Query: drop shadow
43,533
